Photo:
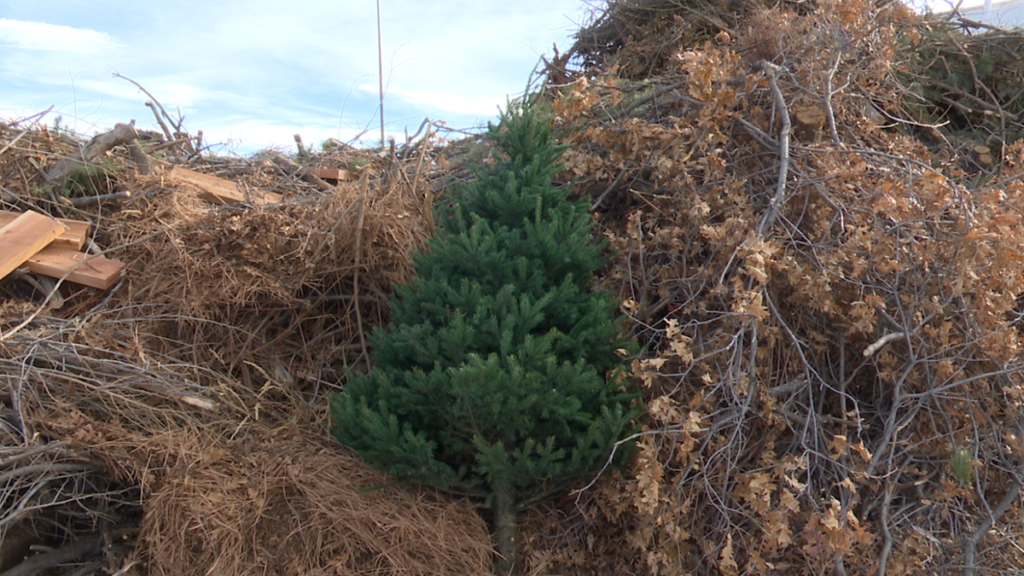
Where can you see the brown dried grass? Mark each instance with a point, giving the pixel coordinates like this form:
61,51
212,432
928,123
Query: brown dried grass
294,504
187,405
270,286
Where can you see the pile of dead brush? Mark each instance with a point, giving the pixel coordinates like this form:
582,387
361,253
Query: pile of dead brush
175,424
827,275
815,209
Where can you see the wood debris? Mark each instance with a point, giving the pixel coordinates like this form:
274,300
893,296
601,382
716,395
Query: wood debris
221,190
50,246
22,238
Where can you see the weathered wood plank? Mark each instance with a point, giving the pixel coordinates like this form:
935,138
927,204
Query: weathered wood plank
74,236
220,190
335,174
23,237
87,270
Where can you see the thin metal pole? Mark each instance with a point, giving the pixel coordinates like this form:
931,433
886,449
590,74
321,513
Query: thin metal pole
380,76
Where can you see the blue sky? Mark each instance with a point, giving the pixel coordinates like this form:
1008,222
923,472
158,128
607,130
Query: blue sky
254,73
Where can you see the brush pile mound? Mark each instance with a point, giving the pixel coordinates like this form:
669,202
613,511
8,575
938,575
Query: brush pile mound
176,424
816,216
823,260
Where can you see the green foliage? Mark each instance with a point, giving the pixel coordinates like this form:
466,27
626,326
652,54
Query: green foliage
88,180
961,462
968,83
502,365
357,164
59,128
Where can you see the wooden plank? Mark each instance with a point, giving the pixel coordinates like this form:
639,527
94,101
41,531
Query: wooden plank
96,272
220,190
335,174
27,234
73,237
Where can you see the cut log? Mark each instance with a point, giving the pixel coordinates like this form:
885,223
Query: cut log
21,239
808,122
96,272
221,191
983,155
74,235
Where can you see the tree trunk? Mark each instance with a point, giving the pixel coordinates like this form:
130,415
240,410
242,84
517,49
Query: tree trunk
504,506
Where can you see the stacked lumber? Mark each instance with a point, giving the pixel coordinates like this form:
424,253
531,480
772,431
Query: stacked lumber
52,247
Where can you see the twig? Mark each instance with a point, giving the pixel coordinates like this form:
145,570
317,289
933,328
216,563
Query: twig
408,148
82,201
412,184
163,145
126,568
153,104
759,135
611,457
89,569
633,106
80,549
380,74
363,185
883,555
878,344
189,398
970,543
768,220
985,104
304,173
37,118
37,469
612,186
33,452
803,421
829,112
979,84
976,24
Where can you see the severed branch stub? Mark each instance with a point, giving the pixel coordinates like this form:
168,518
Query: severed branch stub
122,134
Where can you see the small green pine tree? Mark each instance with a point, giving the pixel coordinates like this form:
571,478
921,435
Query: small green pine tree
500,377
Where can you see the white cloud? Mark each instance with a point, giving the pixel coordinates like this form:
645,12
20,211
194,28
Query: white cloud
245,136
53,37
169,93
251,72
445,101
